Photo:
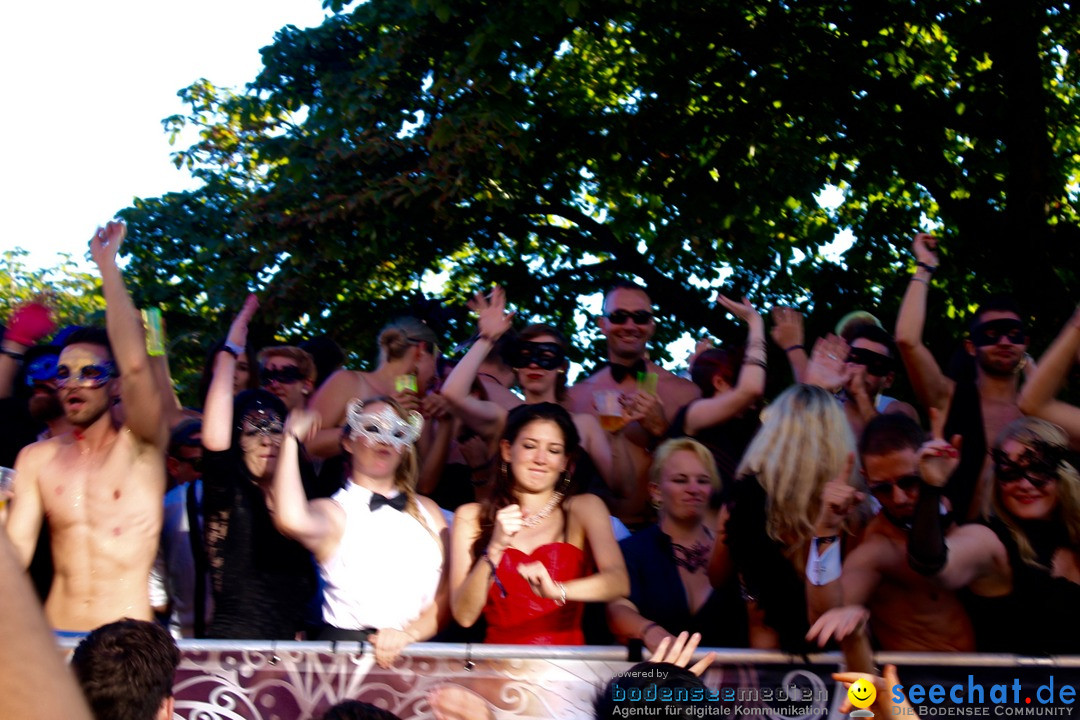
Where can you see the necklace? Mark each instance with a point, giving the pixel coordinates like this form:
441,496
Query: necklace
692,558
537,517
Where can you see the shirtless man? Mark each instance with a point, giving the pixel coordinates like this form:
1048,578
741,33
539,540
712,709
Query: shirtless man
976,411
101,485
628,324
908,612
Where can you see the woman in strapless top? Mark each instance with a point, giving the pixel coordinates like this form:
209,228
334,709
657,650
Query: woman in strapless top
529,557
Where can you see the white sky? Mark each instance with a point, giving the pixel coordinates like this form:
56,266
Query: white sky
85,86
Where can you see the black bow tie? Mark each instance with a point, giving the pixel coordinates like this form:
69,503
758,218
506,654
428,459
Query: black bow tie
621,372
397,502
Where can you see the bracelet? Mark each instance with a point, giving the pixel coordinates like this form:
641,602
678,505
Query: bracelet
916,278
795,347
495,574
16,356
760,363
928,268
561,601
645,630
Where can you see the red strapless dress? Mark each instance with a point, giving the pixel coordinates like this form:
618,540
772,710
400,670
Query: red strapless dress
523,617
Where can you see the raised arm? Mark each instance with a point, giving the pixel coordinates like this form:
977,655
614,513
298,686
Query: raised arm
28,324
750,385
138,387
317,525
930,384
970,553
788,334
1037,396
484,417
218,408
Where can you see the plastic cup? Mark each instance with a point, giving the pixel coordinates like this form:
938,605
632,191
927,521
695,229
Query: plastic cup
609,407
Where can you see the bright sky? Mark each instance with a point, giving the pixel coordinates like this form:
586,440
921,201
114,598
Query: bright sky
85,87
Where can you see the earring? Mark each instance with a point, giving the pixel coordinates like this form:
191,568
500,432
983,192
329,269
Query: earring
657,504
564,483
503,471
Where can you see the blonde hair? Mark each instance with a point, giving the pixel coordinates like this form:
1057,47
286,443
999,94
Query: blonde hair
407,473
804,442
1042,436
401,335
670,447
304,362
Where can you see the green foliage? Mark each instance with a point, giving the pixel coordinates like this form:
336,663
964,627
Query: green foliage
553,147
74,295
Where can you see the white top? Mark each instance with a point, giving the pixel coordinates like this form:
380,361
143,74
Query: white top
386,569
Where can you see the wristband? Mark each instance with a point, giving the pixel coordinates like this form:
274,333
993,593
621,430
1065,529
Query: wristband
795,347
916,278
824,568
16,356
232,348
928,268
645,630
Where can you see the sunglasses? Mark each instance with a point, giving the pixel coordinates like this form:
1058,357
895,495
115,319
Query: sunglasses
546,355
284,376
876,364
991,332
90,376
41,369
885,489
640,317
1037,472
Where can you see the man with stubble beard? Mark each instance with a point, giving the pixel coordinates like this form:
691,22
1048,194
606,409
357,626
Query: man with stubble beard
907,611
628,324
979,409
101,485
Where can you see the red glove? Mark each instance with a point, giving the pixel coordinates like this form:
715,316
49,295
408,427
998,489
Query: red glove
29,323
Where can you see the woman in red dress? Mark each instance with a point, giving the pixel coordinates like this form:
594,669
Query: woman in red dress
525,557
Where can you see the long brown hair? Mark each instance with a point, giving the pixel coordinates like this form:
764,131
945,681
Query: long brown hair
502,492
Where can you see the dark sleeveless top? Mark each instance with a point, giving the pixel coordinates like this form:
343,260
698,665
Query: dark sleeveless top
726,441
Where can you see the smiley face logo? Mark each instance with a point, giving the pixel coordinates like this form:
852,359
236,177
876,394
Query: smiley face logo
862,693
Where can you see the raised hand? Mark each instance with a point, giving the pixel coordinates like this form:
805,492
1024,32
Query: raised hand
828,366
787,330
238,331
107,241
838,497
742,310
29,323
492,318
303,424
938,459
924,248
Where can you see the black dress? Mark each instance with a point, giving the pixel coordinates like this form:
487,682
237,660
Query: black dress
262,581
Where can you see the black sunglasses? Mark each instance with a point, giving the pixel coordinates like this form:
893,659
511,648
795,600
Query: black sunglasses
640,317
885,489
991,332
1008,471
876,364
285,376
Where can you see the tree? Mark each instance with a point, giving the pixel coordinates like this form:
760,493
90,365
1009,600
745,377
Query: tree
552,147
73,294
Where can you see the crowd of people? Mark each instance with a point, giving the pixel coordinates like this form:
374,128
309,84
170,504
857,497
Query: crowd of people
486,499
